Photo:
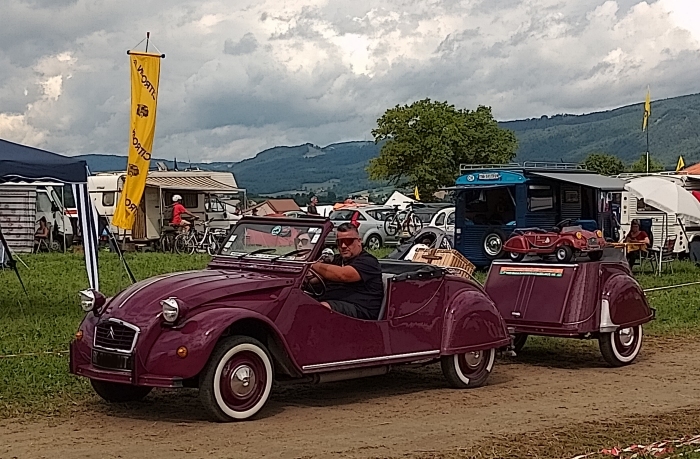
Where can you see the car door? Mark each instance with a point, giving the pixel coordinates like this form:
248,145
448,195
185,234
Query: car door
415,314
320,339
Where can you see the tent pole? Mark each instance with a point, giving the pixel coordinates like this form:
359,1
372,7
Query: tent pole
63,214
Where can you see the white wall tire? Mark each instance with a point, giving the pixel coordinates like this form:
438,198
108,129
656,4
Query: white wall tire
468,370
237,380
622,346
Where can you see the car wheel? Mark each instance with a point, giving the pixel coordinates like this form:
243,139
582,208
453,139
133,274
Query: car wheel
237,380
622,346
118,392
564,254
516,256
595,256
470,369
374,242
492,244
519,341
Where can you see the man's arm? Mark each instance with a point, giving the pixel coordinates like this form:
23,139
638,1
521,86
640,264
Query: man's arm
335,273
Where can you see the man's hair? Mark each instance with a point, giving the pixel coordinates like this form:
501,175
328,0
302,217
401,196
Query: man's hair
348,228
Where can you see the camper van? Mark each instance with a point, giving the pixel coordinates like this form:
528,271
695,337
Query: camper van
24,204
208,195
663,225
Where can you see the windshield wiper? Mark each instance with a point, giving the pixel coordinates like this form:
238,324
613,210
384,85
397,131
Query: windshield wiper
256,252
292,253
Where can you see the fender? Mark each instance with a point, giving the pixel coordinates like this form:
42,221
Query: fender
199,334
472,323
623,304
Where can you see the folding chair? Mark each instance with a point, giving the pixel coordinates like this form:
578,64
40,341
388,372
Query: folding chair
646,257
44,241
664,254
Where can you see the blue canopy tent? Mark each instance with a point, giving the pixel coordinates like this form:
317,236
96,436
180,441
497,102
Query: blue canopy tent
27,164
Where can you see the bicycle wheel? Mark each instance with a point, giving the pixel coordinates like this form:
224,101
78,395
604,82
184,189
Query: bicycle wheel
391,225
212,245
184,245
414,224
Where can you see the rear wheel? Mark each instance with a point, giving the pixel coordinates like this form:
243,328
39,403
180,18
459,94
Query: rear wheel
184,244
564,254
374,242
622,346
119,393
237,380
516,256
470,369
391,225
414,224
212,245
492,244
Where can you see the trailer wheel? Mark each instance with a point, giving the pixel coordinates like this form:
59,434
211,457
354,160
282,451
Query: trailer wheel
564,254
470,369
622,346
519,341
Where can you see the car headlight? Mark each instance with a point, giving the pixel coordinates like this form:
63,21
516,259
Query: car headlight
599,233
171,309
579,235
91,300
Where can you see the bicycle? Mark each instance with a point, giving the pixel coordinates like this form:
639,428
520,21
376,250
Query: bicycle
400,221
188,243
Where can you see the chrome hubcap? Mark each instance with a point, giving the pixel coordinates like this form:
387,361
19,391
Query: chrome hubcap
242,381
493,245
626,336
473,359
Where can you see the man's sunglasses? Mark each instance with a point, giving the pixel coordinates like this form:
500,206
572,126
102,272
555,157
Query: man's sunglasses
347,241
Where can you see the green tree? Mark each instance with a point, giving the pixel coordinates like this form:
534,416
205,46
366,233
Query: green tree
427,141
641,165
604,164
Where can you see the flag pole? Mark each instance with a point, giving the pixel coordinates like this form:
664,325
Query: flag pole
647,148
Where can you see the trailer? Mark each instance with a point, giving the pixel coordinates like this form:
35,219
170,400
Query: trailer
207,194
493,200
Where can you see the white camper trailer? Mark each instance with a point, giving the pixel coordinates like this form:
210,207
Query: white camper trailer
206,194
664,224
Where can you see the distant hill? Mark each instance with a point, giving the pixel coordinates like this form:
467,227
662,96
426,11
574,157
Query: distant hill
674,130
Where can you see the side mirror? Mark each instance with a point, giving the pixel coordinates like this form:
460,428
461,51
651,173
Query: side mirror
225,215
327,255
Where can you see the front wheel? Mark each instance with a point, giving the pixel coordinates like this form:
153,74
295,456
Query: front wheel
414,225
212,245
237,380
622,346
470,369
119,393
595,256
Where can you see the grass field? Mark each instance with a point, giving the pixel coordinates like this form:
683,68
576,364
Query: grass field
46,318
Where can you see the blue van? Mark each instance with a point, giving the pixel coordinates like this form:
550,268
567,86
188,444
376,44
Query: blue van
492,200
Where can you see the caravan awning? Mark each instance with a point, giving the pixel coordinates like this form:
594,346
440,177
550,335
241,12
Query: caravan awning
591,180
190,183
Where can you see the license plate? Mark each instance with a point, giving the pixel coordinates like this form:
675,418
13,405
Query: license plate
111,361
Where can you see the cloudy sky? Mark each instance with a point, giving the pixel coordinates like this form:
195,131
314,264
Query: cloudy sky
243,75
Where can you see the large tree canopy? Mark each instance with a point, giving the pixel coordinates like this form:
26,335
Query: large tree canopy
427,141
604,164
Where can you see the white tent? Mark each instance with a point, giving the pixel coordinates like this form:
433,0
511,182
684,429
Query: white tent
399,199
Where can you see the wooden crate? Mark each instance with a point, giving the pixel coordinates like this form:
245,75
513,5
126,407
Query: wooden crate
448,258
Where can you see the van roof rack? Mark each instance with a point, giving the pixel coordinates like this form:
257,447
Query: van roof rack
550,165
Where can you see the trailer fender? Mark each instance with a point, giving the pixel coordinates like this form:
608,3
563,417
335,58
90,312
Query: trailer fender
623,304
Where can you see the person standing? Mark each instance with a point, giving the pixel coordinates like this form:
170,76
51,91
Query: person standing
311,208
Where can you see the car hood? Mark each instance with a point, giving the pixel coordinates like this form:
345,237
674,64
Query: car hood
141,301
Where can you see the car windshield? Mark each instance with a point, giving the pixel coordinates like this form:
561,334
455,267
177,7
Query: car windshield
271,240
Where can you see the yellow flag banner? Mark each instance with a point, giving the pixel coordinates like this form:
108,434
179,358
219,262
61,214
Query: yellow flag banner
647,110
681,164
145,74
415,193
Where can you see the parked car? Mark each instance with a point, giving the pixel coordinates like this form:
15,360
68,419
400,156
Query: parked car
370,221
563,241
252,318
445,220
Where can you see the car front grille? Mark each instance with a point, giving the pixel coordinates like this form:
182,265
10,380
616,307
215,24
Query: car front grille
115,336
593,241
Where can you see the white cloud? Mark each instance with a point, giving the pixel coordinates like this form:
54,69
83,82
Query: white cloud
246,75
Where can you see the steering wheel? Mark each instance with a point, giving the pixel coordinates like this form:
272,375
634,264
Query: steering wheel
312,288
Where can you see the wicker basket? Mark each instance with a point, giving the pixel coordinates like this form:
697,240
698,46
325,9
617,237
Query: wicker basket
448,258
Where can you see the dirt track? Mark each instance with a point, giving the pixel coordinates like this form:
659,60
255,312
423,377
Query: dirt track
408,412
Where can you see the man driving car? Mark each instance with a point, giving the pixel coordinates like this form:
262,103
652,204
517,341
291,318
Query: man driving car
353,279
